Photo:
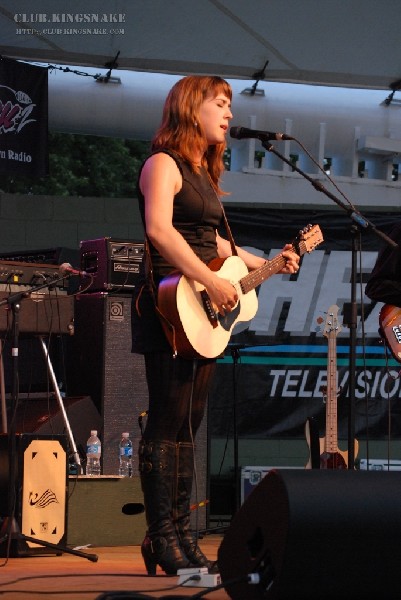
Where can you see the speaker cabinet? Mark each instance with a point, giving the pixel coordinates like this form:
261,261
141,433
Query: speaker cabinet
40,488
102,366
313,534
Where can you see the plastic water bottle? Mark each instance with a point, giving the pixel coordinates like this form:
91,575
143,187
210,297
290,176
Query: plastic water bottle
125,456
93,454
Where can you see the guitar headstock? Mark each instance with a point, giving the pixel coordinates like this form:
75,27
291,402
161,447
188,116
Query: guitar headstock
331,326
308,238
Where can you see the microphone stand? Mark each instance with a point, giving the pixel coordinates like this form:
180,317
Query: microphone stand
9,530
235,355
234,350
359,223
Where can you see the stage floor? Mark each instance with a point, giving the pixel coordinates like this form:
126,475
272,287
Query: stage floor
117,569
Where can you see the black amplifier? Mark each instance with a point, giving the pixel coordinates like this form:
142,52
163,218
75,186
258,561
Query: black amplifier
114,264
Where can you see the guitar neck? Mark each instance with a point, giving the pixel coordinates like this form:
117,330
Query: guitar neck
310,237
258,276
331,441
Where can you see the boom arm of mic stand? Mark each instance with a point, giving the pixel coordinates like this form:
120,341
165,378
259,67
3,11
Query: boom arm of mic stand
351,211
18,296
363,223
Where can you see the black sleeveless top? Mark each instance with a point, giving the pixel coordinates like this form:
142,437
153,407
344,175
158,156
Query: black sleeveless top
197,213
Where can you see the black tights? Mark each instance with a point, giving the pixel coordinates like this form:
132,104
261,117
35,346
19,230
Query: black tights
178,390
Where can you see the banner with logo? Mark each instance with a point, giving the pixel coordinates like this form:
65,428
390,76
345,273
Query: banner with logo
23,118
274,372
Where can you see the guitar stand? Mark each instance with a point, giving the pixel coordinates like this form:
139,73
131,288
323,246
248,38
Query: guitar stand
13,542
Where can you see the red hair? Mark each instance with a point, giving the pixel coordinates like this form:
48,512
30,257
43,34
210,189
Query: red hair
180,130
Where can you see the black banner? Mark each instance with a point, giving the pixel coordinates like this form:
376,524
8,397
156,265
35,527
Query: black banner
274,371
23,118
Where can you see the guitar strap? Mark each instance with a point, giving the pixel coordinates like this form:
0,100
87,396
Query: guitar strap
228,229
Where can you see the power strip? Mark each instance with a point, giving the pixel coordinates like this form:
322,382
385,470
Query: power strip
198,577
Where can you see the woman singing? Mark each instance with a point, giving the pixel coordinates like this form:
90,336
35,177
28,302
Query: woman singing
179,195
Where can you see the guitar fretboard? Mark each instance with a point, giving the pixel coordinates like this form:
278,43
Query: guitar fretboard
258,276
271,267
332,330
331,406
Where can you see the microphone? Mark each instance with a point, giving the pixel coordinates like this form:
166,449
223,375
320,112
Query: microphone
67,269
240,133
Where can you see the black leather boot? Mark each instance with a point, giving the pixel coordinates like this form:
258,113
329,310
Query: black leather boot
160,546
182,507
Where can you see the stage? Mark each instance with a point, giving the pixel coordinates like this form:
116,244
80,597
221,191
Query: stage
118,569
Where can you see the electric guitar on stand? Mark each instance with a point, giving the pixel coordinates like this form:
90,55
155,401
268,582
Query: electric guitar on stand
331,457
193,326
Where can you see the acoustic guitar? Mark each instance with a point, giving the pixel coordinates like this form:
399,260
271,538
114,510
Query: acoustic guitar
194,327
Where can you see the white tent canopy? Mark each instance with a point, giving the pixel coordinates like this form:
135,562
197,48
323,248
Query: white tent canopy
353,43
